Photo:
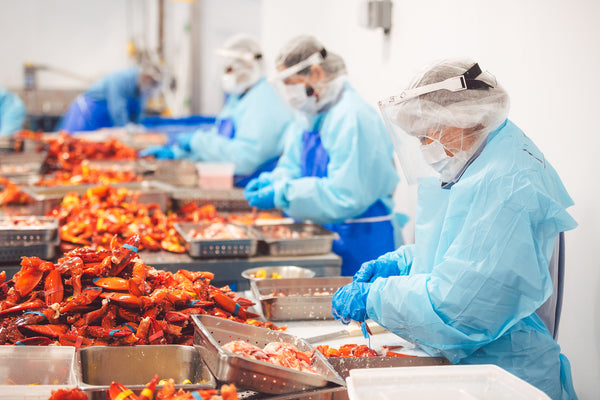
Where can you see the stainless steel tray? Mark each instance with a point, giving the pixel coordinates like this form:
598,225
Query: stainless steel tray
318,240
134,367
299,302
45,251
212,332
217,248
45,198
343,365
27,235
223,200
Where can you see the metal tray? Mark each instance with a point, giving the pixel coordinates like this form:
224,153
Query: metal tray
45,251
45,198
343,365
212,332
28,235
217,248
298,302
223,200
319,241
134,367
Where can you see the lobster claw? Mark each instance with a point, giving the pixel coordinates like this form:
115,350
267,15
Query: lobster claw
122,255
29,276
28,305
50,330
124,298
175,316
148,392
112,283
34,341
231,306
53,287
87,296
116,391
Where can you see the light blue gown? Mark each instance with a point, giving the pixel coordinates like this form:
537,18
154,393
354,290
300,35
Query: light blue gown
250,131
114,100
479,268
12,113
341,169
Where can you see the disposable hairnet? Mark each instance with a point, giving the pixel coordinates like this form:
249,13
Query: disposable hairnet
243,55
481,110
243,43
304,46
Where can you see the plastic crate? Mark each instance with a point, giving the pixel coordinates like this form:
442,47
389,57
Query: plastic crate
452,382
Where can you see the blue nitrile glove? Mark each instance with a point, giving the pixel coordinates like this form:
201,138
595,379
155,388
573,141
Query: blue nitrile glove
160,152
389,264
263,198
184,140
349,303
256,184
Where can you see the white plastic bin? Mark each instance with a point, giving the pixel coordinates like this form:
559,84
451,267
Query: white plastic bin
33,372
451,382
215,175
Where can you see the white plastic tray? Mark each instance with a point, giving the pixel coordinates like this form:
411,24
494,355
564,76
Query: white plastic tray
452,382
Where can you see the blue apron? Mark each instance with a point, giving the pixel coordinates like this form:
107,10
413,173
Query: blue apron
87,114
226,128
363,238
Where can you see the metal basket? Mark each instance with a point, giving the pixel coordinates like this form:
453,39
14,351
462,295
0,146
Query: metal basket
45,251
223,200
318,241
284,271
299,302
212,332
217,248
28,235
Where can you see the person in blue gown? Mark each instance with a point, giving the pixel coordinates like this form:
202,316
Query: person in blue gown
337,169
12,113
472,285
116,100
250,131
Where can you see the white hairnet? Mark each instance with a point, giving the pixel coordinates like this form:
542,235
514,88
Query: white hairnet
304,46
243,56
480,110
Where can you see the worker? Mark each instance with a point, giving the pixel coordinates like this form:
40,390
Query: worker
485,229
12,113
337,170
117,100
250,131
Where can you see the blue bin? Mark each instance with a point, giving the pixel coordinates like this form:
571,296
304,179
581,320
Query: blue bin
174,126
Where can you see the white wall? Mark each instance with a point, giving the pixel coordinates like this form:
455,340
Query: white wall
546,54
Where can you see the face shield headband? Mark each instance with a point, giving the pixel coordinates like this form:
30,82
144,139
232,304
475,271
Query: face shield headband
314,59
239,55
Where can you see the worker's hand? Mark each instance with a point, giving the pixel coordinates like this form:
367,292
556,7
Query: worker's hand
263,198
383,267
160,152
184,140
256,184
349,303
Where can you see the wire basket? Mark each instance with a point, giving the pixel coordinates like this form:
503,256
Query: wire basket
297,298
45,231
309,239
210,333
217,248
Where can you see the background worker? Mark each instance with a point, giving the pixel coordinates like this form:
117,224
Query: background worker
472,285
12,113
337,170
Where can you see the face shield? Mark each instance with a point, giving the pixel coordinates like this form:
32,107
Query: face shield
435,129
241,70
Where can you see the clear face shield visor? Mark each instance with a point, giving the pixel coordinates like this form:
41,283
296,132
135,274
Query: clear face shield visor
279,79
419,142
241,69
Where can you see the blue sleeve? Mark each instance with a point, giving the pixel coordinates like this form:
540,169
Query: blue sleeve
260,125
120,87
12,113
489,279
288,166
360,171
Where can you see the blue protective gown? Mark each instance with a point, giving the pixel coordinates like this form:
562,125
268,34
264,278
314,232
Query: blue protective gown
250,131
12,113
342,170
479,268
114,100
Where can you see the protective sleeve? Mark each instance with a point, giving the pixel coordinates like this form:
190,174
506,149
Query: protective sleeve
359,172
120,86
489,278
12,113
288,166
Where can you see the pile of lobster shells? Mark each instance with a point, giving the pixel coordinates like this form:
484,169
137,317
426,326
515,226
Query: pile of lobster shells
110,297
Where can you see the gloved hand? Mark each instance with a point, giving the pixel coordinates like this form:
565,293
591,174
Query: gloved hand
160,152
184,140
263,198
349,303
385,266
256,184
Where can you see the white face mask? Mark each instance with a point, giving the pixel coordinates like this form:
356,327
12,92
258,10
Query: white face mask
297,97
447,166
230,84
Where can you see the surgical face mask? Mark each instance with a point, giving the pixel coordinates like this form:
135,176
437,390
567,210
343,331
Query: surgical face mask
230,84
297,97
447,166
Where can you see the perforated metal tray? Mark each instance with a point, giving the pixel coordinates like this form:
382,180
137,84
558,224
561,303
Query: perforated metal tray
299,302
212,332
223,200
217,248
11,235
318,240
